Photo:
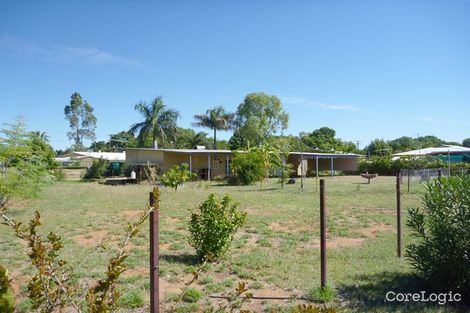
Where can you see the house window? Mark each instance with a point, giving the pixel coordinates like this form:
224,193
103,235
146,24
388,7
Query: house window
216,163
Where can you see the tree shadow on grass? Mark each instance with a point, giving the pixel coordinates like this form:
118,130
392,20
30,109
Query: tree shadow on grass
186,259
369,294
264,189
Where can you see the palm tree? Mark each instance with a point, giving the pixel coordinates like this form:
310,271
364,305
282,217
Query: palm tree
216,119
159,122
196,139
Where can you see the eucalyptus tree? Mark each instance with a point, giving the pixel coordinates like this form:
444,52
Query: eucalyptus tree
82,121
159,122
260,116
216,119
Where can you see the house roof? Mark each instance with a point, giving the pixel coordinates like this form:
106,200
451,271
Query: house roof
110,156
209,151
319,155
187,151
444,149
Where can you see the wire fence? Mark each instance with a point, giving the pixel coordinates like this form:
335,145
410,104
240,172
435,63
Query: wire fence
417,176
423,175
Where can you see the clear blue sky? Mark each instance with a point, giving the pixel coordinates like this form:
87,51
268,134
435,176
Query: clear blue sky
369,69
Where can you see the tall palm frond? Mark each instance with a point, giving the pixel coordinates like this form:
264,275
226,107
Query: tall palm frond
216,119
159,122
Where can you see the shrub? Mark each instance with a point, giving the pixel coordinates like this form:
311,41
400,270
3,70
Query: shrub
322,294
385,165
442,229
97,170
285,172
132,299
191,295
247,168
213,227
177,175
7,299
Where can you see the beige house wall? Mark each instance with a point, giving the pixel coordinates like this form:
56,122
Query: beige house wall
199,162
218,165
144,156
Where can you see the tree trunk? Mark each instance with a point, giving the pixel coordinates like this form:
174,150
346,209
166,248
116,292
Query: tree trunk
155,143
215,139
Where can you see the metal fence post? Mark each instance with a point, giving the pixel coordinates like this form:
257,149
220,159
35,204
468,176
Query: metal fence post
398,217
323,232
154,257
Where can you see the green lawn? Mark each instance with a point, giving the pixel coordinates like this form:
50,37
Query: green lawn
276,253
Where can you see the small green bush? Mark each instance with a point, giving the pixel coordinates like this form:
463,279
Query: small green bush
213,227
24,306
97,170
7,298
191,295
188,308
177,175
247,168
442,229
132,299
322,294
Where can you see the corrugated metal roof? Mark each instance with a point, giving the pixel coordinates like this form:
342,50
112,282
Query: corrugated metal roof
110,156
208,151
325,155
195,151
444,149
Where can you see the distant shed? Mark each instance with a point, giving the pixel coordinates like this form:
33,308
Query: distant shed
454,154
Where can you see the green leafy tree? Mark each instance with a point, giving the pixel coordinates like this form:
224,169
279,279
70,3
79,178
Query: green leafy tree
188,139
260,116
322,139
216,119
117,142
254,165
122,140
347,147
24,163
223,145
177,176
159,122
441,228
289,143
82,121
41,149
403,144
466,142
247,168
100,146
429,141
237,142
97,169
378,147
213,227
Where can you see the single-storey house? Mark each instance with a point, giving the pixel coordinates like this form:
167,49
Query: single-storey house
209,164
206,163
85,159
